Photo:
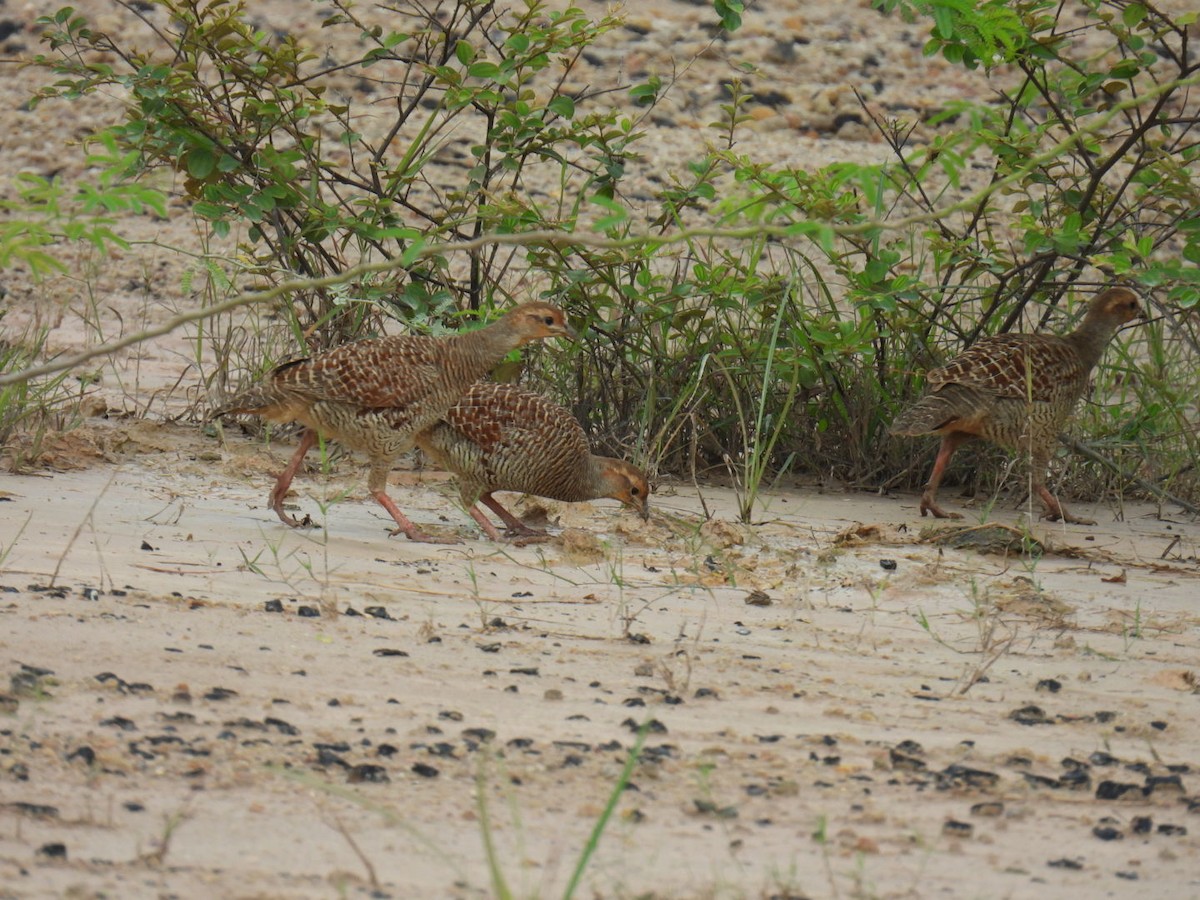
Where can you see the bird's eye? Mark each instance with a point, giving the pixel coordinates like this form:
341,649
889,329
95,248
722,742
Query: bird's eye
635,491
549,320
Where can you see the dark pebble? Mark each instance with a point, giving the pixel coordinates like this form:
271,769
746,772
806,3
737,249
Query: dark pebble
956,775
910,747
638,639
388,651
1050,685
483,735
1175,830
1104,717
1029,715
1065,863
281,726
308,612
1041,781
1100,758
118,722
758,598
133,806
906,762
706,692
1128,876
1141,825
443,749
1075,779
377,612
887,564
34,810
53,851
220,693
1107,833
490,648
368,772
84,753
954,828
572,760
652,727
326,757
525,670
424,770
1158,725
273,606
386,750
146,545
352,613
1115,790
1164,784
451,715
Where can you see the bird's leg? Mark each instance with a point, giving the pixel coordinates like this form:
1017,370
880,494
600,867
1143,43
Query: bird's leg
516,528
488,528
950,443
284,481
377,484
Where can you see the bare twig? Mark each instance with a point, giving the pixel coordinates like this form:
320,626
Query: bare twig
1150,487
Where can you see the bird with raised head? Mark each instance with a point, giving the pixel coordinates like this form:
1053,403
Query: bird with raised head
376,395
500,437
1015,390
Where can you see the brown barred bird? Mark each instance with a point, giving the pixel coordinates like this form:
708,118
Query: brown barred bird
499,437
375,395
1015,390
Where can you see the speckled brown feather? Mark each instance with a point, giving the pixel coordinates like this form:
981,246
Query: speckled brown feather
1015,390
499,437
375,395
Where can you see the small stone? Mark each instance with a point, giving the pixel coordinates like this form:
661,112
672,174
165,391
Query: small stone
53,851
273,606
1108,833
368,773
388,651
308,612
954,828
888,565
425,770
1049,685
988,809
1065,863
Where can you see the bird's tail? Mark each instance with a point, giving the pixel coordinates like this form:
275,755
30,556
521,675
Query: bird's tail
927,415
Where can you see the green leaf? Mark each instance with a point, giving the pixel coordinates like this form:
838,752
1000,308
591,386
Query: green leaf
200,162
464,52
562,106
483,70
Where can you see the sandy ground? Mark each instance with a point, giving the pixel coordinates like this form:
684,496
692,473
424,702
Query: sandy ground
198,702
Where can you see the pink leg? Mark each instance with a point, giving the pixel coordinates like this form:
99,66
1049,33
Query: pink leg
284,481
1056,511
516,528
411,531
950,443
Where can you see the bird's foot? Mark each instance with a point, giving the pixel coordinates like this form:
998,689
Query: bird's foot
1061,514
292,522
929,506
528,537
422,537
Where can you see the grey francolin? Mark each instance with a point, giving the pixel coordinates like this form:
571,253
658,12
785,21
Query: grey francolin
499,437
1015,390
375,395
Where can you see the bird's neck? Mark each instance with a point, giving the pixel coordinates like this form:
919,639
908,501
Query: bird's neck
1091,337
487,346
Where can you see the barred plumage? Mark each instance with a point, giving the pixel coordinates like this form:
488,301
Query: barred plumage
499,437
375,395
1015,390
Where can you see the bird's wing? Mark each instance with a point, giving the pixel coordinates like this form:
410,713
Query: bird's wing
1020,366
380,373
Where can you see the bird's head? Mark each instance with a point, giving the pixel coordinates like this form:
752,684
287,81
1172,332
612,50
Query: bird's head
1116,306
537,321
626,483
